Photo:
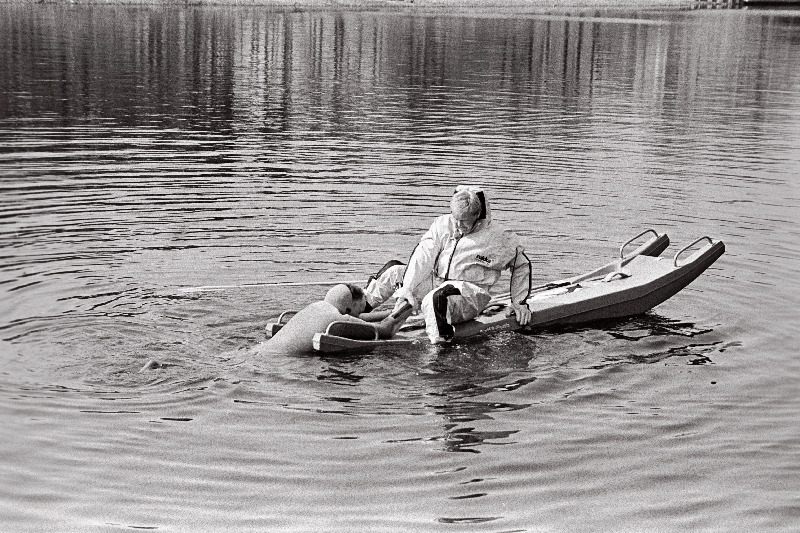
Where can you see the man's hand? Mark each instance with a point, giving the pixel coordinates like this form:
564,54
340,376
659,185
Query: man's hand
405,296
522,312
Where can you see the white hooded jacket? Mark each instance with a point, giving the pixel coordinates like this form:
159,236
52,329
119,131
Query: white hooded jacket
478,257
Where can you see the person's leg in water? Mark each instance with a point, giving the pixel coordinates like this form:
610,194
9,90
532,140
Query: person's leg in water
449,304
440,300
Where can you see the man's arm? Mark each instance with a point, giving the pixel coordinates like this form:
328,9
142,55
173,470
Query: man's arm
375,316
389,325
386,326
521,283
422,260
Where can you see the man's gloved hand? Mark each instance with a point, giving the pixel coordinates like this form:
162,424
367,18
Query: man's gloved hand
522,312
404,296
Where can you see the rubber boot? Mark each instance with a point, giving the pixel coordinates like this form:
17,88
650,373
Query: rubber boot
446,330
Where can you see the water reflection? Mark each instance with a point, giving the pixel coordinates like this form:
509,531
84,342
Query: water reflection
267,72
467,387
651,338
653,324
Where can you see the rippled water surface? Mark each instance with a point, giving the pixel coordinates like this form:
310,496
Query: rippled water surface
147,151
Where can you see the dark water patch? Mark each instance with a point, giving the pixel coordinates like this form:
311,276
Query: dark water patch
469,520
469,496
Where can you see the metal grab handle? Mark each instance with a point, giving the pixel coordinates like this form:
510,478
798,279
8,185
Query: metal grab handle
287,315
645,232
675,261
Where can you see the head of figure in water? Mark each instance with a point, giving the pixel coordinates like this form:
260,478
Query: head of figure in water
348,299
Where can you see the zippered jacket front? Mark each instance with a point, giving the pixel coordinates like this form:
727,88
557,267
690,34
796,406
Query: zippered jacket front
478,257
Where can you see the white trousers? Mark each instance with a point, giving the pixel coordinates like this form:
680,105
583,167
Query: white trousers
384,286
460,308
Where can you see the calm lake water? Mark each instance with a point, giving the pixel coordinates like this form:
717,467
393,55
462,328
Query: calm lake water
146,150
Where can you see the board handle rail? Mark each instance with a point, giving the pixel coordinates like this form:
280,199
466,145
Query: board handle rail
642,234
704,238
274,327
285,316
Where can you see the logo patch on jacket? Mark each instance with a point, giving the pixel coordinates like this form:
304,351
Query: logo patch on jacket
483,259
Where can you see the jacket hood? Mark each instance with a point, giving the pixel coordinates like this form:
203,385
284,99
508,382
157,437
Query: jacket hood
485,217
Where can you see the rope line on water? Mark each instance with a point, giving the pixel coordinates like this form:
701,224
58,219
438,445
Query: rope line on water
212,288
